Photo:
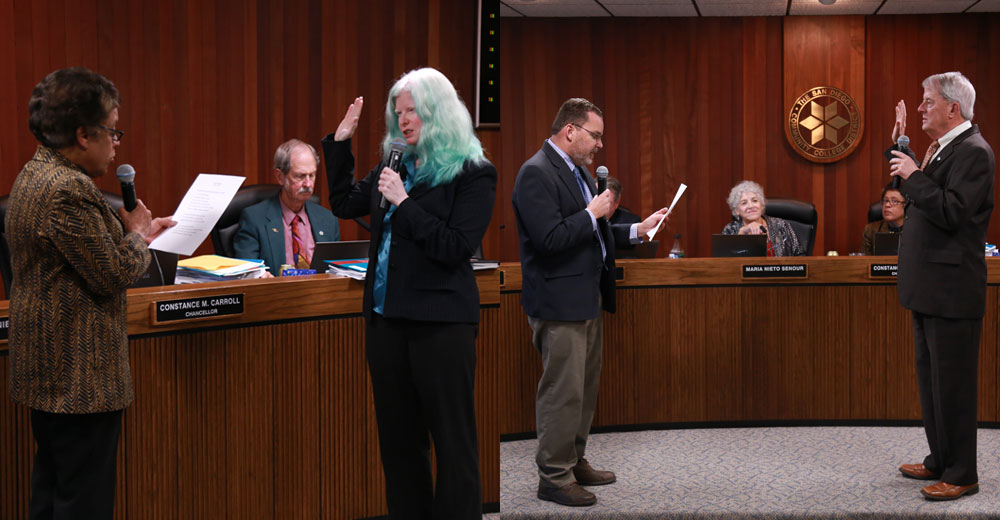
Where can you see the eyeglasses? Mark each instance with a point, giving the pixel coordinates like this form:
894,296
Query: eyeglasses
116,134
596,136
892,202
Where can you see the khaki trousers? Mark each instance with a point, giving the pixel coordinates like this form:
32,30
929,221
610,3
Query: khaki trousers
567,394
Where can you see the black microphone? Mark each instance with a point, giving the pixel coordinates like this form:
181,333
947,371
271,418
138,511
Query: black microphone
903,145
126,174
396,149
602,179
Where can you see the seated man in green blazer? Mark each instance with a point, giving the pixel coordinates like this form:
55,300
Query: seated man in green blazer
285,228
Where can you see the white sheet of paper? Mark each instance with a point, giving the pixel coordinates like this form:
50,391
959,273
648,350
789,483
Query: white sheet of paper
199,210
677,196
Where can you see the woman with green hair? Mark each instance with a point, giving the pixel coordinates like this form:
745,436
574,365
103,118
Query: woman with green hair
421,301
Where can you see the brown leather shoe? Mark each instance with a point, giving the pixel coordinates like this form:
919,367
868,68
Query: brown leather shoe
918,471
588,476
945,491
569,495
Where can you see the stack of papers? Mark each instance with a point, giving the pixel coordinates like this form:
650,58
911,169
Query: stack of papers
215,268
352,268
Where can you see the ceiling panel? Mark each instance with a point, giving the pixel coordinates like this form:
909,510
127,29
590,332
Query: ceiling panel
742,7
841,7
686,8
925,6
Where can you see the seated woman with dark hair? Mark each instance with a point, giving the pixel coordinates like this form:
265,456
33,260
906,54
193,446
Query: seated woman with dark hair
893,206
747,202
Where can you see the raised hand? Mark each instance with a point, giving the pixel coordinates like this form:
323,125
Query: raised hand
350,123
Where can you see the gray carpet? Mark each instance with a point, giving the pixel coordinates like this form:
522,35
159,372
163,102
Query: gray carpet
780,473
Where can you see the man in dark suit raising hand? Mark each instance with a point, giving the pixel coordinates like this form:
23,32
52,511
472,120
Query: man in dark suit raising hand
942,276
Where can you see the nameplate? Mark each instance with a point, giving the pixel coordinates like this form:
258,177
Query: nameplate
774,271
883,270
4,329
207,307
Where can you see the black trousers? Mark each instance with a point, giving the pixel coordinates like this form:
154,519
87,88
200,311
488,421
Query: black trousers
947,357
423,377
74,473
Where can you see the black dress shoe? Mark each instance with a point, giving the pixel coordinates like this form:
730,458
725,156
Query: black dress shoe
588,476
569,495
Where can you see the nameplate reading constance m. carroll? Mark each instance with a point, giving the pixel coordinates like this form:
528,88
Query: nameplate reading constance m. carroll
774,271
197,308
883,270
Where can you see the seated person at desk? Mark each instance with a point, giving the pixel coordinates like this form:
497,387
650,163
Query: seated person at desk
285,228
746,201
893,206
620,216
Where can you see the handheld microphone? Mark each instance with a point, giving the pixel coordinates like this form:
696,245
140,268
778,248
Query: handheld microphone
396,149
126,175
903,145
602,179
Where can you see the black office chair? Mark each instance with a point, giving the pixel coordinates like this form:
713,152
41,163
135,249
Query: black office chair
802,217
229,223
875,212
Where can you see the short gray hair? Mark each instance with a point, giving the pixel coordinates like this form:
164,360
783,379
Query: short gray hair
283,156
740,189
954,87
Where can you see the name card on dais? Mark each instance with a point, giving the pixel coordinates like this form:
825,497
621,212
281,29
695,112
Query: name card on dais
206,307
774,271
883,270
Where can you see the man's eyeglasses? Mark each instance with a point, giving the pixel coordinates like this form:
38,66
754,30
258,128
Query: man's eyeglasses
596,136
116,134
892,202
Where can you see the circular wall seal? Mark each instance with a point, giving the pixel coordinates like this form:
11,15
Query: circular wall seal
824,125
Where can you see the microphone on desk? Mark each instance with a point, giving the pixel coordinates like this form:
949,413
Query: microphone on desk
903,145
126,175
396,149
602,179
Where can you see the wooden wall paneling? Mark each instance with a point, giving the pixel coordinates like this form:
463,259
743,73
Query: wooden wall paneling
902,395
988,361
518,357
688,322
201,433
149,441
343,453
867,353
723,352
296,422
489,388
831,326
620,348
250,384
17,449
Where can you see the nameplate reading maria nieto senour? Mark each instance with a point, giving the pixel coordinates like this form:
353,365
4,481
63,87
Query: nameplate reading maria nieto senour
205,307
774,271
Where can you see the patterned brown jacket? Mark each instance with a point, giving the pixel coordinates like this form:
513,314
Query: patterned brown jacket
72,262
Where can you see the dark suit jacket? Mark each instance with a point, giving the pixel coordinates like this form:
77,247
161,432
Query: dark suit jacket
942,270
562,274
622,218
262,231
434,233
72,262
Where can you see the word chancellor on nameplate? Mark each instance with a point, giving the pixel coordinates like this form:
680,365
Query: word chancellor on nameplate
197,308
774,271
882,270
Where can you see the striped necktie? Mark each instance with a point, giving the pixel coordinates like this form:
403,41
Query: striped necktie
587,197
298,251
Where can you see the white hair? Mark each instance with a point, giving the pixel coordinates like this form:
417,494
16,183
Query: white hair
954,87
740,189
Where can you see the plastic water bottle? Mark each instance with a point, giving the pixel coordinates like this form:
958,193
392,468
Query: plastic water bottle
676,251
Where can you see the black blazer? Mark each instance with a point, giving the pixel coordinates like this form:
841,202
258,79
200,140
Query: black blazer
562,274
434,233
942,270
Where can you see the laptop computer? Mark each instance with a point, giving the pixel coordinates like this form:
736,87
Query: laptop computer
345,250
886,244
739,245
